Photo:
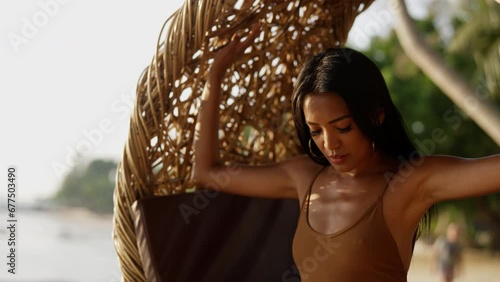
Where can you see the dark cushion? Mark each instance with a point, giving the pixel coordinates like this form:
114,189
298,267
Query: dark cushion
210,236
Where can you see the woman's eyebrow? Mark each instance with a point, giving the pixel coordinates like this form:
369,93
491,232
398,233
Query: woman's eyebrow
332,121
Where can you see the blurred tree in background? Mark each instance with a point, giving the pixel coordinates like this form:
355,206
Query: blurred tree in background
89,187
477,34
437,125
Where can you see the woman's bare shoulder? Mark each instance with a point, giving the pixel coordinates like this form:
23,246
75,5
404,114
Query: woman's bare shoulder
303,170
302,166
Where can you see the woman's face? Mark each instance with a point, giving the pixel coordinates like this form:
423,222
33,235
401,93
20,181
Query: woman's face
335,133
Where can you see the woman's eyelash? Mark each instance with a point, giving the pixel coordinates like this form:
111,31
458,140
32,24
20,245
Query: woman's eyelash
345,129
315,132
341,130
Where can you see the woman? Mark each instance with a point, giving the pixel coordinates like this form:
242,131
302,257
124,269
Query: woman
362,187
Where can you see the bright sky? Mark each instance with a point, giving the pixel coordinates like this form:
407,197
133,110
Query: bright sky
68,70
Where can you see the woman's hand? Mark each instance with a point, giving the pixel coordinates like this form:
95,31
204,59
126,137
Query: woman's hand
231,52
279,180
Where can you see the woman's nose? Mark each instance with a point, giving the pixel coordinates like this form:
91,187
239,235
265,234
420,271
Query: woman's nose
331,142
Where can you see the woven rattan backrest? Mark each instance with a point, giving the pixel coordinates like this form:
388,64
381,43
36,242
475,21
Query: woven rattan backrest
256,124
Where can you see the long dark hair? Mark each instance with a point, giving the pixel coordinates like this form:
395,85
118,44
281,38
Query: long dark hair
361,85
359,82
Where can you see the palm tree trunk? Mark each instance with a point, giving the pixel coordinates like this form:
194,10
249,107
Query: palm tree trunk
485,114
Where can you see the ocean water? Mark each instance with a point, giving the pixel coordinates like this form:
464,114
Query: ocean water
60,246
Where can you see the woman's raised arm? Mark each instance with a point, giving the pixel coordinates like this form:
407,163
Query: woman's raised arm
271,181
449,178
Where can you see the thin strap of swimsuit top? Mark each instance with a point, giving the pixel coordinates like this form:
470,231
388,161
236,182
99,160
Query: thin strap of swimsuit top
308,197
363,251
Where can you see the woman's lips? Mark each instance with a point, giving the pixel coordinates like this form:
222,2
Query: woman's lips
337,159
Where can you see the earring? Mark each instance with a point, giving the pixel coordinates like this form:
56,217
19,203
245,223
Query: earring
373,146
311,151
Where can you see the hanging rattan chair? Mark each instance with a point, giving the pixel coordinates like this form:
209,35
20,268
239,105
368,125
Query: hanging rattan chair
255,121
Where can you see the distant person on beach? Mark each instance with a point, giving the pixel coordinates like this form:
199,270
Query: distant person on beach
448,253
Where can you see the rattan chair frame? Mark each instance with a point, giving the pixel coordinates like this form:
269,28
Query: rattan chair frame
256,125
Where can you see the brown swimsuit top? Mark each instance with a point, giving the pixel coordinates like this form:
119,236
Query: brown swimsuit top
364,251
